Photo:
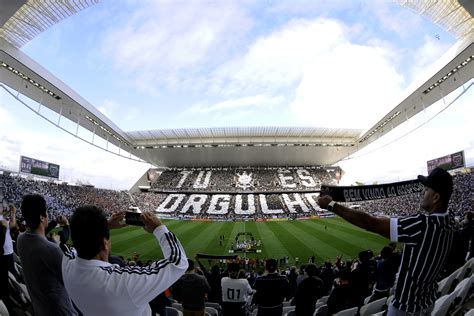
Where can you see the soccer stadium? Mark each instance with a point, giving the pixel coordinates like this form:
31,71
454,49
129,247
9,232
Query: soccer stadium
261,209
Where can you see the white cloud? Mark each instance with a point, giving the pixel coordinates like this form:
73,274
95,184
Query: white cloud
5,117
279,59
427,59
402,22
349,86
332,75
167,42
77,159
108,107
255,101
387,161
333,80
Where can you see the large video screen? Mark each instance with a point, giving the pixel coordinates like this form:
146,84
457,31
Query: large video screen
447,162
38,167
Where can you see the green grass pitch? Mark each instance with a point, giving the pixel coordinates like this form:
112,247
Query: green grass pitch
322,238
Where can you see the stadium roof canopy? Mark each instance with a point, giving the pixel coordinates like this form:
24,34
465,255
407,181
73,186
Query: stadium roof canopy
22,20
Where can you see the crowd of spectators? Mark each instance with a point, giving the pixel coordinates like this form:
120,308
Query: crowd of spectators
347,283
462,200
246,179
62,199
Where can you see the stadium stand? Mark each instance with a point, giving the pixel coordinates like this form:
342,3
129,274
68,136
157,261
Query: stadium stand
460,203
63,199
234,180
454,300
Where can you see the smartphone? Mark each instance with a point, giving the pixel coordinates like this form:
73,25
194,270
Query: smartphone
134,218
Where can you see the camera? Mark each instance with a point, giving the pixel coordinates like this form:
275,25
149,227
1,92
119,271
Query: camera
133,216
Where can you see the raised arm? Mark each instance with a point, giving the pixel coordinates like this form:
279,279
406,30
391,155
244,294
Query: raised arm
203,268
12,216
378,225
145,283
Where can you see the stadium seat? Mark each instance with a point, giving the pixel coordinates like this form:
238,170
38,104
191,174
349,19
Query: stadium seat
444,286
171,311
19,271
217,306
470,312
347,312
286,309
3,309
291,313
467,269
471,265
373,307
444,304
389,300
462,290
178,306
323,299
321,310
212,311
20,289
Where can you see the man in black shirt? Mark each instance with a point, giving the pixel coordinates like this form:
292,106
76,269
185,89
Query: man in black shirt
272,289
308,292
328,276
344,295
427,237
191,290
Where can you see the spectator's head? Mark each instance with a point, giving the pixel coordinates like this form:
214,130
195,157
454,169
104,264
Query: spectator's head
328,265
190,266
233,269
468,217
438,190
271,265
311,270
386,252
90,232
215,269
302,267
33,208
345,276
364,256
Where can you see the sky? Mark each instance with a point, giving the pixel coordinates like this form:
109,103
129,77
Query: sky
185,64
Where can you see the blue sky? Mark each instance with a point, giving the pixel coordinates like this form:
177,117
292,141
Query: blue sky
177,64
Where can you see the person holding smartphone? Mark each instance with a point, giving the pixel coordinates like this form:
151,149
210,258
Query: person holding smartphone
98,287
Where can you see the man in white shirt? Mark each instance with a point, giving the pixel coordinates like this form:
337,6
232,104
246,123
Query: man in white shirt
235,292
100,288
6,251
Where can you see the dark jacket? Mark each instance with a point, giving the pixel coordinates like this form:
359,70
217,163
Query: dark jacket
342,297
307,293
271,290
190,290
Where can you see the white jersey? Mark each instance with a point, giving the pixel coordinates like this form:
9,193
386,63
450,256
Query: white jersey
101,288
8,245
235,290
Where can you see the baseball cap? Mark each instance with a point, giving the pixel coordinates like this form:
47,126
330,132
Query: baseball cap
439,180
